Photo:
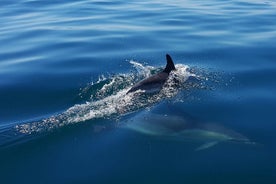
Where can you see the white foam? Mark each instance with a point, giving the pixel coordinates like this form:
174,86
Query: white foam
114,100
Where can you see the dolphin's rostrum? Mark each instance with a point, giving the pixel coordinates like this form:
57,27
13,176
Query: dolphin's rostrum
155,82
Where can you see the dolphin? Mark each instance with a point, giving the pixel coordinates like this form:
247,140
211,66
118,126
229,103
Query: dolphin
155,82
175,127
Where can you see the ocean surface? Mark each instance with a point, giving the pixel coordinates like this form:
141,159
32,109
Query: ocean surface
66,66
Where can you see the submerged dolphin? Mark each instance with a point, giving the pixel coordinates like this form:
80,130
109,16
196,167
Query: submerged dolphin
155,82
179,128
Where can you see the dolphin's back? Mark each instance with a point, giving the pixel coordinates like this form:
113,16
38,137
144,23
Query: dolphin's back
153,83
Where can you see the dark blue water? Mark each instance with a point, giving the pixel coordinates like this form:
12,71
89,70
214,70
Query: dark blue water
65,68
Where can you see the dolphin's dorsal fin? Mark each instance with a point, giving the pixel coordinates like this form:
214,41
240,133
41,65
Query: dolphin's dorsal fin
170,65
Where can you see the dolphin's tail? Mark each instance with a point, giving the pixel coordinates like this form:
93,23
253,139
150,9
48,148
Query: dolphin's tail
170,65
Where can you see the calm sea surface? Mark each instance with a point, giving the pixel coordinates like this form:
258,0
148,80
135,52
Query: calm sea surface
65,68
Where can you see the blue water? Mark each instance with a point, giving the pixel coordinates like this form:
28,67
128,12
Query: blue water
65,67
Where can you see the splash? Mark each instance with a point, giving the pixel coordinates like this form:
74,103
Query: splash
109,98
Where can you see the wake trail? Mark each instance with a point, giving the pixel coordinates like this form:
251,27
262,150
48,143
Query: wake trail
111,99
